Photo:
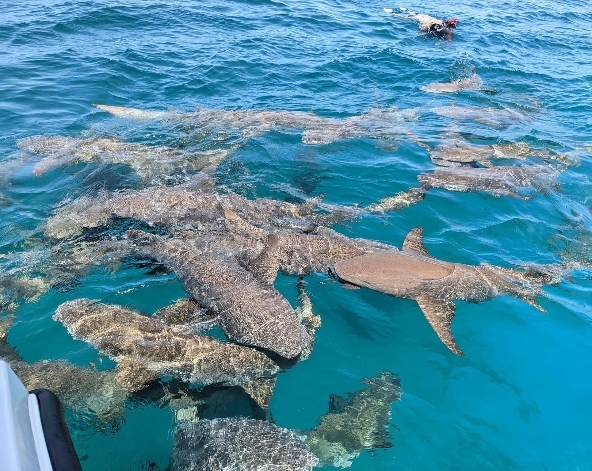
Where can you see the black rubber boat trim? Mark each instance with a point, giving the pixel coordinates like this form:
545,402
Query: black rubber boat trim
61,450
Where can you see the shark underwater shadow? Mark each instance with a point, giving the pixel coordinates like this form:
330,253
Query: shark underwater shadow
414,274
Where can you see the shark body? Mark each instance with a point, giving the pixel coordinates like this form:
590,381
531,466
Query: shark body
146,348
151,163
249,312
499,181
377,124
192,203
434,284
238,444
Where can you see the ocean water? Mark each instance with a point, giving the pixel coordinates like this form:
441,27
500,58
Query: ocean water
520,398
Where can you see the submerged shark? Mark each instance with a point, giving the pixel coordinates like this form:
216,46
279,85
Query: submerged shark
192,203
376,124
473,82
355,423
80,389
498,181
455,151
412,273
511,181
149,163
146,348
238,444
498,118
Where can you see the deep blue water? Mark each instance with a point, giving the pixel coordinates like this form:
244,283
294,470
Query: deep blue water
520,399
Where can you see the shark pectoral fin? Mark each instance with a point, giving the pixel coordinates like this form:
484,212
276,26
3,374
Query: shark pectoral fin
414,242
261,391
267,264
439,314
347,285
306,315
534,304
132,375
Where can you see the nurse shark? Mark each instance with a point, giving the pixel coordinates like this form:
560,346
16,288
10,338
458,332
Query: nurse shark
151,163
239,444
81,389
146,347
192,203
495,117
376,124
249,312
434,284
498,181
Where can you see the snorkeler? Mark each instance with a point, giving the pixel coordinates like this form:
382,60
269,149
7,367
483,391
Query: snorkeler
427,24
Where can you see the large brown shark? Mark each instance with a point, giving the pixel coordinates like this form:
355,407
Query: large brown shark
238,444
249,311
434,284
149,163
146,348
376,124
358,422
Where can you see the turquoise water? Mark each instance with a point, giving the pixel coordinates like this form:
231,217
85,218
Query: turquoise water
520,399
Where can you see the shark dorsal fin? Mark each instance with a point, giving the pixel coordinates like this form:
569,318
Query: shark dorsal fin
181,311
414,242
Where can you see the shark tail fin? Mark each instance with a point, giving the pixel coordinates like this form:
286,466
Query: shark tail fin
440,314
414,242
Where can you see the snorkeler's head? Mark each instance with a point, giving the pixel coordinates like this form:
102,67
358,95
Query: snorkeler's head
451,23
